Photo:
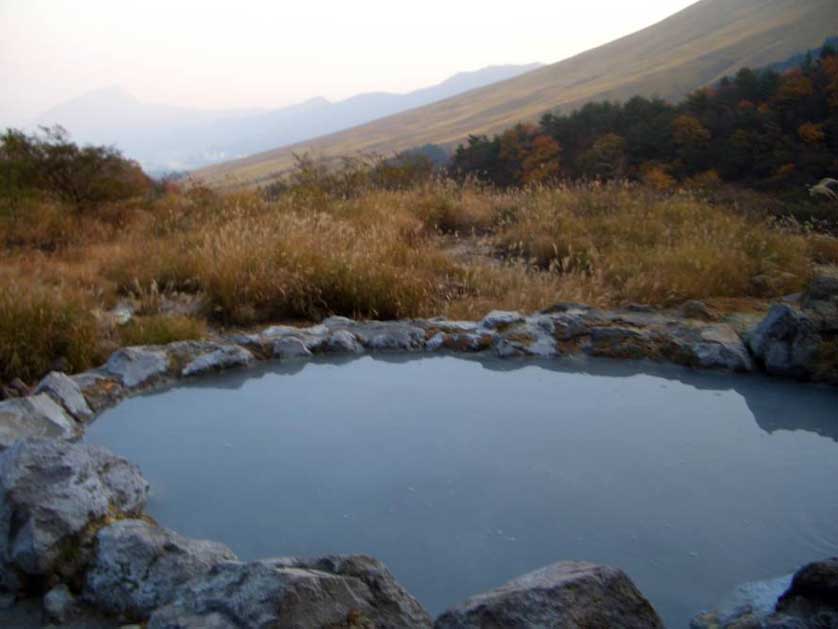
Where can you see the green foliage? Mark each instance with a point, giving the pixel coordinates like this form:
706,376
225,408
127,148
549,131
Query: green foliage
322,180
50,165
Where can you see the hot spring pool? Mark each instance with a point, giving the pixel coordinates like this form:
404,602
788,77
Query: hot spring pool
461,474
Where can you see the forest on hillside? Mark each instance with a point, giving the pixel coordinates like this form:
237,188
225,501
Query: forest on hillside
765,129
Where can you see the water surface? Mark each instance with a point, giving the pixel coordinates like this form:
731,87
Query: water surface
461,474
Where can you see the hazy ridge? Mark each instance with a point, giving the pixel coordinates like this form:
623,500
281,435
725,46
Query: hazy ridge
694,47
165,137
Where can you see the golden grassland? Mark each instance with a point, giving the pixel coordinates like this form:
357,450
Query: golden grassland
693,48
435,249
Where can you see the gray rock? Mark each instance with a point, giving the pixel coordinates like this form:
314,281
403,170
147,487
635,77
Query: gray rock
137,366
695,309
390,336
810,601
722,348
461,341
138,566
35,416
99,388
52,495
821,299
501,318
331,592
823,286
535,337
337,322
621,342
569,325
19,387
444,325
786,342
571,595
61,388
290,347
343,341
7,600
218,358
813,587
122,313
313,338
749,602
59,604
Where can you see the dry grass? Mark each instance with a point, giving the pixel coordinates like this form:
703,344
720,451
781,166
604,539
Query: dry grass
657,249
378,254
38,325
161,329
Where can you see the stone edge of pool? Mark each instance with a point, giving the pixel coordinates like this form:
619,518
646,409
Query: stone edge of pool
73,529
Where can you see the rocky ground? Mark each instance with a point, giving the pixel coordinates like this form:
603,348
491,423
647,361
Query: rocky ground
76,546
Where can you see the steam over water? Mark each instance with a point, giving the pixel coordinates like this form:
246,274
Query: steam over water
461,474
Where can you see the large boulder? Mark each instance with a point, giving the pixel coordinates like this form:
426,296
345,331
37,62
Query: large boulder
786,342
569,594
53,495
34,416
137,567
333,592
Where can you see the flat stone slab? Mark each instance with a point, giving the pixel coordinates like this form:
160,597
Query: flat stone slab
66,391
137,366
35,416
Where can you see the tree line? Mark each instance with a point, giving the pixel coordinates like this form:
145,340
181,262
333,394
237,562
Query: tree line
762,128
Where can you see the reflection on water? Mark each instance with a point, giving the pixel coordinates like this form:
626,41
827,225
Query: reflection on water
461,473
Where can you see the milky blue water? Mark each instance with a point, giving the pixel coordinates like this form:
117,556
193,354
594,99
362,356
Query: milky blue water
461,474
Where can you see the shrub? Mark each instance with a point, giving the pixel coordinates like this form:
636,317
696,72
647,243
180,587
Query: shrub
50,164
655,248
40,325
161,329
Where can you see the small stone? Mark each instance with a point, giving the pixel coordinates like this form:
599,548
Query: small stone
20,387
66,392
221,357
60,604
435,343
290,347
343,341
698,310
501,318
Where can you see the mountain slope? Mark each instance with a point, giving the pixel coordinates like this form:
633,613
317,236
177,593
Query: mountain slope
692,48
168,137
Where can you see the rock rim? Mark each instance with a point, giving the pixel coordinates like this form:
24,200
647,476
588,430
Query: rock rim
134,570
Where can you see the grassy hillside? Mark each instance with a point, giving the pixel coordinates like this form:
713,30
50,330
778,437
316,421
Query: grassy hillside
697,46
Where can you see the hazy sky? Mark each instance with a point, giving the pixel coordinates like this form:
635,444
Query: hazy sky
244,53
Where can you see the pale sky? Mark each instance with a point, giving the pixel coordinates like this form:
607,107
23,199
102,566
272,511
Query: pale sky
249,53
